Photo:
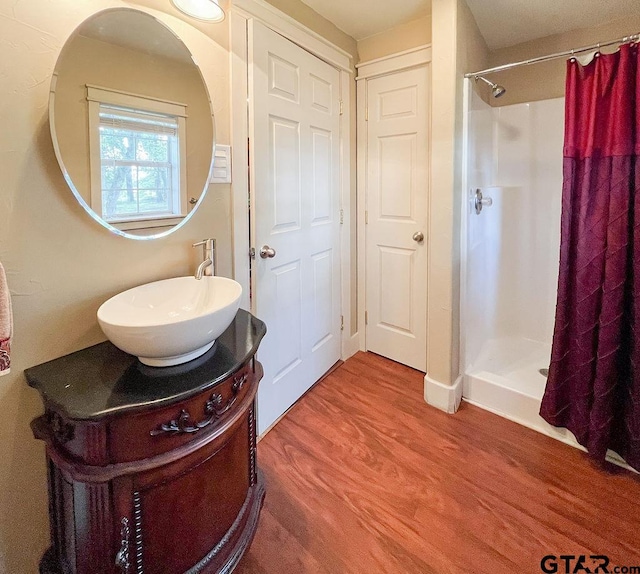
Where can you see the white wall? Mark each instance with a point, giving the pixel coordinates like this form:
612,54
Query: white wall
515,156
481,262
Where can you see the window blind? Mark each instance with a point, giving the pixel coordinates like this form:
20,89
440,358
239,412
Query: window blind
118,118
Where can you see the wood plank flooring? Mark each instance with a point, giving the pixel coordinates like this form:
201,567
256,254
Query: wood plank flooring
364,477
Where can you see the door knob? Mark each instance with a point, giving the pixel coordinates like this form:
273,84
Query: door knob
267,251
418,236
480,202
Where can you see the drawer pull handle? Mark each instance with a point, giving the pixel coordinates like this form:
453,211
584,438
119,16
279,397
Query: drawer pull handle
238,383
212,410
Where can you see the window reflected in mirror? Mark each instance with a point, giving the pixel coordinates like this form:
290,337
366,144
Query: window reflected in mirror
137,148
131,123
140,166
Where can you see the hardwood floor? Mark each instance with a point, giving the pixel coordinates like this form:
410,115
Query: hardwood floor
364,477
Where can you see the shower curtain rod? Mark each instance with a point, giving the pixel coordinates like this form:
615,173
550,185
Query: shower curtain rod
625,40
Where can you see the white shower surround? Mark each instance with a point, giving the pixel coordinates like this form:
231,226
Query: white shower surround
515,157
510,257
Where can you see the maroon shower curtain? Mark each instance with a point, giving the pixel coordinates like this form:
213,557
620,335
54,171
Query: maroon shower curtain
593,387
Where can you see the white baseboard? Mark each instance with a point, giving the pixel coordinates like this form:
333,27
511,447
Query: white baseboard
444,397
350,346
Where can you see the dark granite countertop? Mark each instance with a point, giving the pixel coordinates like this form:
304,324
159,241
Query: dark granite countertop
103,380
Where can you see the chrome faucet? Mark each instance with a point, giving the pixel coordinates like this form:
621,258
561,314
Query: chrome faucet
207,267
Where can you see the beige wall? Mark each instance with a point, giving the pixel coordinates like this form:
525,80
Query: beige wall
318,24
457,47
440,279
60,264
397,39
546,80
90,61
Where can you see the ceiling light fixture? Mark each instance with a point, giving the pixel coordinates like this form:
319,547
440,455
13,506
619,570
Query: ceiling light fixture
206,10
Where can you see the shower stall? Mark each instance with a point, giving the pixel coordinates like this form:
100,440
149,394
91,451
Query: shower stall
510,252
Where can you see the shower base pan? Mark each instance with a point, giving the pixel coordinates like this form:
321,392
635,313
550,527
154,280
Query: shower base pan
506,380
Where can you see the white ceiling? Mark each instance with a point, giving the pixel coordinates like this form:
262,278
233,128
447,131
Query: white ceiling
502,22
362,18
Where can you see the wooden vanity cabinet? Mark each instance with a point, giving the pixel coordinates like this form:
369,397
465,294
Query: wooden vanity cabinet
163,478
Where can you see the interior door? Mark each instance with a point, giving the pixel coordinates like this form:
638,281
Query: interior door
295,186
396,234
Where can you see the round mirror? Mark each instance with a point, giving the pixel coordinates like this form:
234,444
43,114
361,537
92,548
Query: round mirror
131,123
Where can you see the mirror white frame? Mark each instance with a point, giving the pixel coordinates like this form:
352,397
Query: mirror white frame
142,232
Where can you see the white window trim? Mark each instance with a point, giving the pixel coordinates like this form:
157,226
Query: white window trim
98,95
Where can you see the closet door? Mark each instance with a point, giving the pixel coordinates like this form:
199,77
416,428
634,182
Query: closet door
396,233
295,178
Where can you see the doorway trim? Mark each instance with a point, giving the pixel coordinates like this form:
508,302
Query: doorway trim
241,12
400,61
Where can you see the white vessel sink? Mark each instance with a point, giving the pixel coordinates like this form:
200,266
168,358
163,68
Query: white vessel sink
172,321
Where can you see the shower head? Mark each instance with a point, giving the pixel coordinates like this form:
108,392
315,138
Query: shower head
496,89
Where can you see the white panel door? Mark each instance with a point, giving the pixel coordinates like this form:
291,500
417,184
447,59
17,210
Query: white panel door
295,186
397,184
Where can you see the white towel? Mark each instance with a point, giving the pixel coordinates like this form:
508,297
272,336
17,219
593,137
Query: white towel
6,324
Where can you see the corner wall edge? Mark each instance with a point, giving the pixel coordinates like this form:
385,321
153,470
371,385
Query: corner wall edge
444,397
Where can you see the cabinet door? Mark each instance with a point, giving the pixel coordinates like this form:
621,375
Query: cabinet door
183,511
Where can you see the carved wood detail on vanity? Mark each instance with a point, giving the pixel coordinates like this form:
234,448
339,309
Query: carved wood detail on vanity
123,556
157,475
212,411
